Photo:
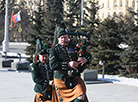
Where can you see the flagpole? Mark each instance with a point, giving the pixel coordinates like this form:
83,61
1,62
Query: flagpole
5,42
82,12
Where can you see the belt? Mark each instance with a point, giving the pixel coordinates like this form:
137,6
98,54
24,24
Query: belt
61,71
64,71
67,72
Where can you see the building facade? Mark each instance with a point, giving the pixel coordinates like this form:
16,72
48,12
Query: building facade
113,8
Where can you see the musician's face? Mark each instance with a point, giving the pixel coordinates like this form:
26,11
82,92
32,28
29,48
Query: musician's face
43,58
63,40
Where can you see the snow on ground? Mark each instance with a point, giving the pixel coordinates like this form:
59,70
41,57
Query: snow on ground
21,43
119,80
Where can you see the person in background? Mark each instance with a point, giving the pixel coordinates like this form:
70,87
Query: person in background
66,65
42,77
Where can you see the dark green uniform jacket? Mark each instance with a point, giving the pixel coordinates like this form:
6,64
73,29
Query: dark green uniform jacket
40,76
60,57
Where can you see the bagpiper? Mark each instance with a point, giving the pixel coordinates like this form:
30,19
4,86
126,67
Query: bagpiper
67,66
42,76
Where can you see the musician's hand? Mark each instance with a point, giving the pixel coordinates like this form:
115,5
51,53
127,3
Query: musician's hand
73,64
82,60
51,82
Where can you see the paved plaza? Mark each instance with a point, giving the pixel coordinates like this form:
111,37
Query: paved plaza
17,86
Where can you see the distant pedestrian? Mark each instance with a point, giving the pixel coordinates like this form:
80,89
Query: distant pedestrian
42,76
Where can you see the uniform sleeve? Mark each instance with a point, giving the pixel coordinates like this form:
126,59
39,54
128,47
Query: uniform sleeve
51,75
53,60
35,75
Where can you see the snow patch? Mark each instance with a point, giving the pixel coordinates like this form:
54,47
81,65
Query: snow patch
119,80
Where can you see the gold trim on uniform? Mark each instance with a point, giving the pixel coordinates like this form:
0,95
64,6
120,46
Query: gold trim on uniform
32,68
51,58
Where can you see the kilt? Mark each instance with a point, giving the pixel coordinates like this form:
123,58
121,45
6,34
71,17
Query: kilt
39,95
63,94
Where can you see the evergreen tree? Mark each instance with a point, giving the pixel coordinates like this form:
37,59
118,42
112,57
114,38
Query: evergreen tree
107,40
129,57
2,8
135,15
90,25
44,25
73,14
37,26
90,20
54,11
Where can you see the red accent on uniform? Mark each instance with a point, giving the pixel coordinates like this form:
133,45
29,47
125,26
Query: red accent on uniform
37,57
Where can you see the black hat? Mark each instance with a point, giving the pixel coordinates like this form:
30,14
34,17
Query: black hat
43,51
59,30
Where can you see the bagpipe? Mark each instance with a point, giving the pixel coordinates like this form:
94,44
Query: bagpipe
81,43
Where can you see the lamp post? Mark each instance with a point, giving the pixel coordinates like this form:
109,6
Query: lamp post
103,64
82,12
103,71
5,42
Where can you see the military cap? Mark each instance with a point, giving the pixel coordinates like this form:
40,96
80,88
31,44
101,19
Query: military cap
59,30
43,51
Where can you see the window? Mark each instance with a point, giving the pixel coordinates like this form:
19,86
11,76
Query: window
121,3
114,14
29,2
103,5
98,15
133,4
115,3
108,4
32,2
126,3
103,15
98,5
35,2
121,14
108,14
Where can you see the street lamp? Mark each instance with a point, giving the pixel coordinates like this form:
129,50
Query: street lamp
103,64
5,42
